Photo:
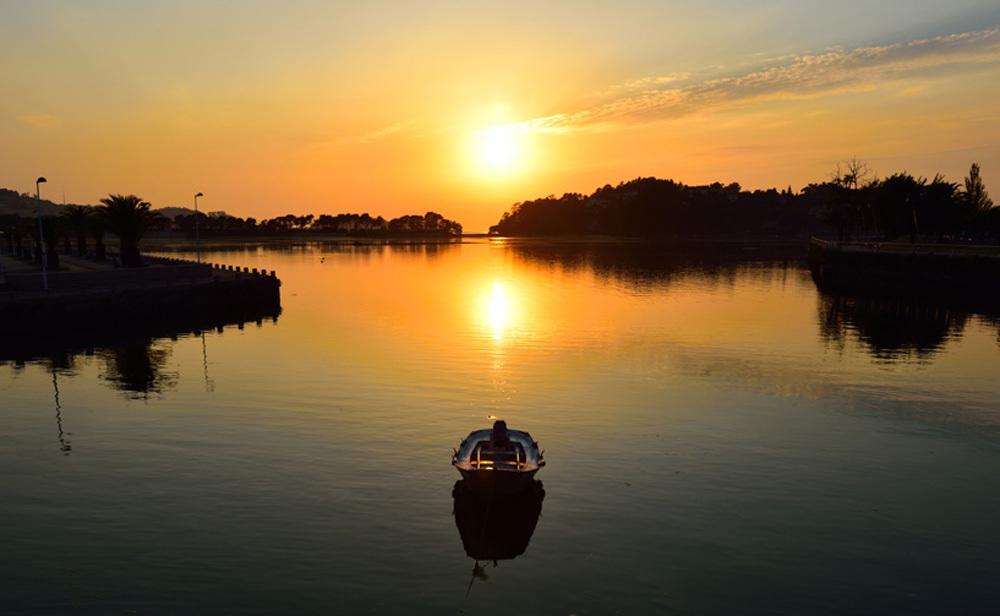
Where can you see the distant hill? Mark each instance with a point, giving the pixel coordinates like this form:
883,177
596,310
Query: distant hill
173,212
12,202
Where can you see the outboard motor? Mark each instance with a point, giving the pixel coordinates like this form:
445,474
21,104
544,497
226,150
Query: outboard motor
500,436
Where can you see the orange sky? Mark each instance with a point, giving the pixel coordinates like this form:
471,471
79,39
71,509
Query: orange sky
394,108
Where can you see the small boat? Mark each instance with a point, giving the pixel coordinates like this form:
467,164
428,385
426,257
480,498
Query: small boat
498,460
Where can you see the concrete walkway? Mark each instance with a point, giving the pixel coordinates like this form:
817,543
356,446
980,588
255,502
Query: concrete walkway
16,266
80,264
67,263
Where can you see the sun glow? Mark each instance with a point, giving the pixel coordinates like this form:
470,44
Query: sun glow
499,150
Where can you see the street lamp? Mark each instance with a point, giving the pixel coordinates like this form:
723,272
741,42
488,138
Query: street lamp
41,241
197,240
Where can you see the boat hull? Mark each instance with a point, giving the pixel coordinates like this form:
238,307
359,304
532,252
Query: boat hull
498,482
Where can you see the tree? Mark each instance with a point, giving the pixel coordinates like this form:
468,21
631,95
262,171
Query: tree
50,233
975,190
895,205
16,234
128,217
32,230
854,173
940,209
854,199
77,218
97,228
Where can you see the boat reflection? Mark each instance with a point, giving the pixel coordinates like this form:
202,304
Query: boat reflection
495,528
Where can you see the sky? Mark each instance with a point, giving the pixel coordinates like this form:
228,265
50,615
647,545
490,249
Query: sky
464,108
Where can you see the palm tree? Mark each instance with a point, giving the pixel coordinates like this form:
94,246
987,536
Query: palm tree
78,220
31,229
128,217
8,233
17,238
50,232
97,229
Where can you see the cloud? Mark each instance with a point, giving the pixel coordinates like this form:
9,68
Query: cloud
648,83
38,120
375,135
796,77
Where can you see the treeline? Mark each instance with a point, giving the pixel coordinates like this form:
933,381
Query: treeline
853,205
14,204
81,229
430,223
905,207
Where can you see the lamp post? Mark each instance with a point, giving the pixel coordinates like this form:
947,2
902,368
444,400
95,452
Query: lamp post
41,240
197,240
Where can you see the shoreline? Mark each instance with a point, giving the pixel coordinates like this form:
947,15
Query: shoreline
165,289
894,269
153,243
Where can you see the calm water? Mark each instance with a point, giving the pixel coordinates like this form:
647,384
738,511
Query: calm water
721,438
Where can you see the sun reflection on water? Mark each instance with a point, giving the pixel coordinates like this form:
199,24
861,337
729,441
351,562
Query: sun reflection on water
499,314
499,311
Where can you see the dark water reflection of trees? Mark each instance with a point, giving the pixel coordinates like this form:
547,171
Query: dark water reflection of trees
363,248
895,327
889,328
643,266
134,357
138,369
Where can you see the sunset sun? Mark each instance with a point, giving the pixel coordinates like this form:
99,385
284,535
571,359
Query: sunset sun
499,150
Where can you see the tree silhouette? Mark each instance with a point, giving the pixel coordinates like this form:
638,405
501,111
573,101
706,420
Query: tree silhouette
97,227
50,233
77,219
975,191
128,217
854,203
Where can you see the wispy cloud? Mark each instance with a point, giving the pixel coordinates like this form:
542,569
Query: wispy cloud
38,120
375,135
648,83
799,76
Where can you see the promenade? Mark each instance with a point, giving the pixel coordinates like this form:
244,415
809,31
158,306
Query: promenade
86,293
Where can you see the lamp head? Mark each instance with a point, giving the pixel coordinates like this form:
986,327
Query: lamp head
41,180
198,195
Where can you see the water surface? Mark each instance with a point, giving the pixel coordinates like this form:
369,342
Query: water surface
721,438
